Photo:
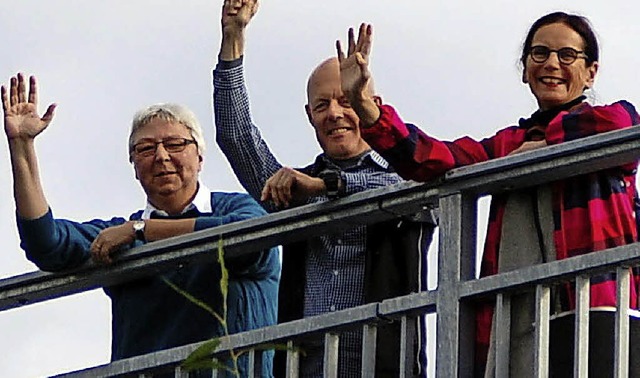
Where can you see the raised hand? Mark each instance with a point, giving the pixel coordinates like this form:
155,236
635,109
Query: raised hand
354,67
236,14
289,185
21,119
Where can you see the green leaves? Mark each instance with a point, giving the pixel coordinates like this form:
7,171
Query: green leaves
201,357
224,283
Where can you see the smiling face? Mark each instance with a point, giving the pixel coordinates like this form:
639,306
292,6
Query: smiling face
551,82
334,121
170,180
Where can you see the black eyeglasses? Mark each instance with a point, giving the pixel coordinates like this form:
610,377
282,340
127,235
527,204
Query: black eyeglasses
171,145
566,55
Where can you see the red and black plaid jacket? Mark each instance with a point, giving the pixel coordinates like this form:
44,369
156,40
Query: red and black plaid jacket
591,212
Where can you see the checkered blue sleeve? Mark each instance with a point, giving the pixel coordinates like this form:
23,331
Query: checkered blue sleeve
238,137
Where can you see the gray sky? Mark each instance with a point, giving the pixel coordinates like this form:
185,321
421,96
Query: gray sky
449,67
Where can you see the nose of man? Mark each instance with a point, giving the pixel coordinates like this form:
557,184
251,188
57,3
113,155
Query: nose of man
336,111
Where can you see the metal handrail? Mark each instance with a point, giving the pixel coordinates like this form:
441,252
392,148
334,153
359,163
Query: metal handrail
455,193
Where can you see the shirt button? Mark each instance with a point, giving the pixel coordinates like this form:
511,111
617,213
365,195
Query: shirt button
335,272
339,241
332,308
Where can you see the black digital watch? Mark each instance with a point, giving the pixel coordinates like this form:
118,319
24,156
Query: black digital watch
332,181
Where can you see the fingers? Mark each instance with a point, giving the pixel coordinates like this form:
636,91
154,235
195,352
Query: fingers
5,99
13,91
22,89
278,187
361,45
100,251
33,90
48,115
364,39
339,52
528,146
351,48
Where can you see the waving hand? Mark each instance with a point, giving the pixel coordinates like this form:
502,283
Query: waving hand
21,119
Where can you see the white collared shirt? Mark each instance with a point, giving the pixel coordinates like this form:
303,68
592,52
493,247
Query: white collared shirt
201,202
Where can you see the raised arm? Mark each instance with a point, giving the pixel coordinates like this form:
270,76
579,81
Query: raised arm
355,75
236,15
239,139
22,125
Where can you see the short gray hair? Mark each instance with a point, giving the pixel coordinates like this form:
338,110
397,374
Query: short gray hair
172,113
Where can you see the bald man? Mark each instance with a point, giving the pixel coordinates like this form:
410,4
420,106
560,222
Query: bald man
333,272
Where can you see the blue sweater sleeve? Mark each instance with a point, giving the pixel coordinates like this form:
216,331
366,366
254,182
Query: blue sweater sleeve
57,244
235,207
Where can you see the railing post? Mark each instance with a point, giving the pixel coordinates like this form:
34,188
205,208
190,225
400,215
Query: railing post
293,361
456,261
369,336
543,304
407,352
502,334
581,338
331,342
622,323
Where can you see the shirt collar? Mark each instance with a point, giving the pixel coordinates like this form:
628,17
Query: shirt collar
322,161
201,202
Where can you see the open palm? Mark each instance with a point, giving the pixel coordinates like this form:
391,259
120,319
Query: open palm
354,66
21,118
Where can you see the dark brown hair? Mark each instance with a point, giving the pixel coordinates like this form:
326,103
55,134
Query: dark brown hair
579,24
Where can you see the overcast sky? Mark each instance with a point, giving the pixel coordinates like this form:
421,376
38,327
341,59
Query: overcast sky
449,66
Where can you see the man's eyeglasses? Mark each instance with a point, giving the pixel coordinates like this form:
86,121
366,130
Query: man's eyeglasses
566,55
171,145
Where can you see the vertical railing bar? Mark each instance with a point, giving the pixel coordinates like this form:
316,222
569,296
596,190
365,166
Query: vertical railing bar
403,347
581,334
369,339
503,334
214,373
455,326
180,373
251,362
543,305
621,369
259,355
293,361
331,343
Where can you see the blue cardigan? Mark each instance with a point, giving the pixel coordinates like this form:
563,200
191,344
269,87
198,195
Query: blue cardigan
147,314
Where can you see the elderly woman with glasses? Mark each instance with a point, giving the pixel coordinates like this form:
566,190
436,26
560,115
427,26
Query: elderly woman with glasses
566,218
166,149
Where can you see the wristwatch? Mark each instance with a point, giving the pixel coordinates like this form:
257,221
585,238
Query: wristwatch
138,227
332,181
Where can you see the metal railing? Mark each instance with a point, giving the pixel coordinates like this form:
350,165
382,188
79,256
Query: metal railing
453,301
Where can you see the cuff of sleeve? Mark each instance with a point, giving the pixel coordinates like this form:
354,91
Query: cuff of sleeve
353,183
35,234
388,130
229,64
228,75
203,223
38,226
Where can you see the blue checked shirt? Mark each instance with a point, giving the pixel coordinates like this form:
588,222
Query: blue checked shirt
336,262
